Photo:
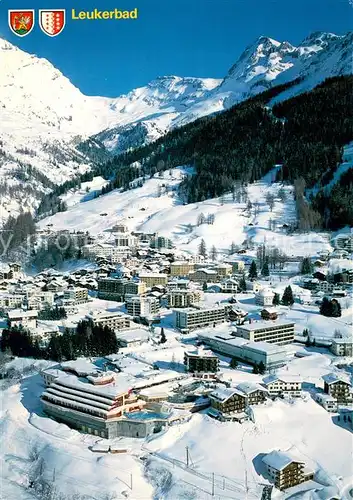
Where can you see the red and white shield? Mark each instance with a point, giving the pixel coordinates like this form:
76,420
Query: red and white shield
52,22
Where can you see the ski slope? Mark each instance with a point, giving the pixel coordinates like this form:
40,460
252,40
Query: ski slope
142,209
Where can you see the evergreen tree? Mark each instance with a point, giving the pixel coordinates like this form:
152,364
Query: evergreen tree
336,308
325,307
242,283
253,270
233,363
232,248
213,253
276,299
202,248
265,271
255,369
287,298
204,286
262,368
306,266
305,332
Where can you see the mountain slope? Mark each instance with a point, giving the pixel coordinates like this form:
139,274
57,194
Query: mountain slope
42,126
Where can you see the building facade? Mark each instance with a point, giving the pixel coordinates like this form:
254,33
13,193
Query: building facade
285,471
201,361
113,320
192,318
184,298
152,279
254,353
142,306
181,268
279,332
282,386
338,388
342,347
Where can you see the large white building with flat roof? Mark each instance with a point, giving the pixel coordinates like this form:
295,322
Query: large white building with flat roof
275,332
192,318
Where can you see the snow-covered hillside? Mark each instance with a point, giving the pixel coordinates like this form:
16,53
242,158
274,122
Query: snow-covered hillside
42,125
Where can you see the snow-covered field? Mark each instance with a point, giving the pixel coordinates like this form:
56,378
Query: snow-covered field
143,210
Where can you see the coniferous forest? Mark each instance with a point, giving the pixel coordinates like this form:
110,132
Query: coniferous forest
305,134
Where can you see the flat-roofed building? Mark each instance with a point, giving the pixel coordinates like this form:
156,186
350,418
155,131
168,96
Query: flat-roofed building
342,347
117,288
125,240
90,405
152,279
184,298
77,294
276,332
181,268
142,306
11,300
254,353
192,318
200,361
113,320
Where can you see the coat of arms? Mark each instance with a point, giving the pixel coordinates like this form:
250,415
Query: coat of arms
52,22
21,22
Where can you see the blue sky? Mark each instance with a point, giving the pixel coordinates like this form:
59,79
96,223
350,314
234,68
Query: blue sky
182,37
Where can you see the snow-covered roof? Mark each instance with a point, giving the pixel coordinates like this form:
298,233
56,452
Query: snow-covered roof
19,313
81,366
281,378
279,459
331,378
249,387
224,394
256,325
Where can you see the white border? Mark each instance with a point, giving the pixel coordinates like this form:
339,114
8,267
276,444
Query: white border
51,10
20,10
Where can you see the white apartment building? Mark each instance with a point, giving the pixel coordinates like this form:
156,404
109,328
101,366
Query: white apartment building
9,300
142,306
76,294
342,347
189,319
27,319
125,240
275,332
113,320
283,386
184,298
112,253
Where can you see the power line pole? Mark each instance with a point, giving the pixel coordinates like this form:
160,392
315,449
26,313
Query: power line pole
187,456
213,484
130,481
